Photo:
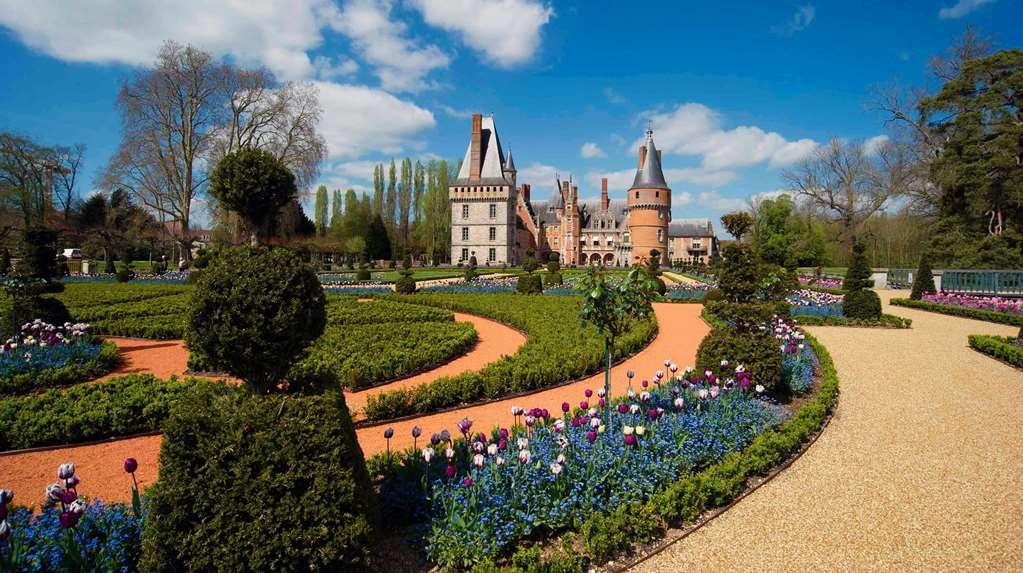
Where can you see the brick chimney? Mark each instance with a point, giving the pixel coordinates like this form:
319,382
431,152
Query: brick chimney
525,192
642,155
475,146
603,194
564,193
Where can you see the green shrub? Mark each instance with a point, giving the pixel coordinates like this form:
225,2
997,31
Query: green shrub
255,184
714,295
470,270
70,373
38,253
1000,347
529,284
254,313
757,351
862,304
347,310
975,313
87,295
155,306
405,284
658,284
857,276
363,273
258,483
118,407
553,279
124,274
923,281
747,316
24,309
738,279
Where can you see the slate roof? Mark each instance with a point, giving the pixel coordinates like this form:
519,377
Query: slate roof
650,175
691,228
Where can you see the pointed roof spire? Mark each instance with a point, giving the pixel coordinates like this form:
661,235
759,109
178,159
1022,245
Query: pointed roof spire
510,164
649,175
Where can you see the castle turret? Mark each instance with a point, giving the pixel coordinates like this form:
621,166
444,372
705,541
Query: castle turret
649,205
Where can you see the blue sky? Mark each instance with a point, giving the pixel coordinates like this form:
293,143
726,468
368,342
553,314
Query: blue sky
735,91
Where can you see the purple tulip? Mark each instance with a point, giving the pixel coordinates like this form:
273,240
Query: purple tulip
504,433
545,414
68,519
584,405
68,496
434,439
467,482
601,402
464,425
73,481
502,444
449,471
416,431
623,408
630,374
591,436
130,465
445,436
630,440
588,393
65,471
389,433
644,383
565,407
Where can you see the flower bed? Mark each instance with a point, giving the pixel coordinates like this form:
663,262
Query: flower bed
45,355
962,311
822,282
687,292
992,303
1008,350
558,348
815,303
478,285
552,472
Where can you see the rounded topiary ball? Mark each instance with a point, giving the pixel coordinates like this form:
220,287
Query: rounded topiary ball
254,312
758,352
405,284
862,304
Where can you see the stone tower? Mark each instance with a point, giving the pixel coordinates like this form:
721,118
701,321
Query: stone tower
483,200
649,205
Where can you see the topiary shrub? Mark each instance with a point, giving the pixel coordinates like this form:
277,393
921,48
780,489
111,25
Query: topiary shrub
658,285
529,284
405,284
553,276
258,483
857,277
758,351
714,295
363,273
862,304
738,279
923,281
254,312
16,311
38,253
124,274
470,269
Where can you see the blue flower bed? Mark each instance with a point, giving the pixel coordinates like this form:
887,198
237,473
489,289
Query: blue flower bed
168,278
33,358
823,310
108,536
815,303
357,289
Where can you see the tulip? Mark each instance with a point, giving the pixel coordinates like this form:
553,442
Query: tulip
77,506
565,407
556,468
478,460
73,481
627,430
630,374
416,431
724,364
530,420
525,456
6,496
477,447
502,444
630,440
467,481
449,453
559,425
427,454
591,436
680,403
65,471
68,519
601,392
702,393
588,393
644,396
389,433
634,408
640,430
5,531
449,471
584,405
55,492
68,496
592,412
130,465
445,436
503,433
630,394
435,439
492,450
760,388
499,461
659,374
623,408
714,391
601,403
464,425
522,443
673,368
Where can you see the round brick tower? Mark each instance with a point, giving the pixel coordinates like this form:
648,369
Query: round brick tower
649,205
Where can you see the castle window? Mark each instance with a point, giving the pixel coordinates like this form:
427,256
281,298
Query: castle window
601,224
657,193
493,211
465,233
465,211
660,235
637,194
493,234
492,255
465,255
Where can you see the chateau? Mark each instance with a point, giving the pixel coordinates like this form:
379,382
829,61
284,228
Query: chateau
494,219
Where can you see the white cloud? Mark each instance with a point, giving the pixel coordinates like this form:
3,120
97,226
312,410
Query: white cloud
872,145
541,176
681,199
694,129
358,119
328,69
400,63
359,169
717,202
591,150
506,32
454,112
799,21
961,8
277,35
613,96
623,178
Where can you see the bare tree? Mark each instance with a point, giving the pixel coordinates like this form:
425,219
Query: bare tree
851,182
170,114
26,177
70,159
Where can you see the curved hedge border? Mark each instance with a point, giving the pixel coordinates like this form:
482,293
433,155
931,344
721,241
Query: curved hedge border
961,311
1000,347
558,348
884,321
603,536
105,361
119,407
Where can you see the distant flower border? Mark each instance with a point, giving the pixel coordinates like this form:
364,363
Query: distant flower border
962,311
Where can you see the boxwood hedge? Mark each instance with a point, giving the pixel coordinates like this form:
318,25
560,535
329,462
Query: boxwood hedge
883,321
558,348
1000,347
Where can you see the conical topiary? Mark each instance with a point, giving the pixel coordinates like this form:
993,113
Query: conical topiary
857,277
923,282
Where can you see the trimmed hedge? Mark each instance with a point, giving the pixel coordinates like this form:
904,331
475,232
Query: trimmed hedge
162,327
70,373
155,306
259,483
961,311
1001,347
85,412
348,310
83,295
883,321
558,348
757,350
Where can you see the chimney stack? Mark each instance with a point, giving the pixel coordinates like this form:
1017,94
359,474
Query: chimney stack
603,194
475,146
525,192
642,155
564,192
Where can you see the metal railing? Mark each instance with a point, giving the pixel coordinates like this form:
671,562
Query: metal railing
1001,282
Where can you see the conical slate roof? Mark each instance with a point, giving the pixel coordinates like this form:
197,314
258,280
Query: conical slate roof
510,164
649,175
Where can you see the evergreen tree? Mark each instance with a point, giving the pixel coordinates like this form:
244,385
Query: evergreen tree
860,301
378,188
417,196
857,277
404,203
391,198
320,211
378,244
923,281
335,209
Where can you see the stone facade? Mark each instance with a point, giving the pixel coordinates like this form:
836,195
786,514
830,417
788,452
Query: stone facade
498,222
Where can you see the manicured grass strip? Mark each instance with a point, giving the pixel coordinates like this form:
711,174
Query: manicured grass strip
1001,347
119,407
558,348
962,311
884,321
155,306
83,295
159,327
71,373
348,310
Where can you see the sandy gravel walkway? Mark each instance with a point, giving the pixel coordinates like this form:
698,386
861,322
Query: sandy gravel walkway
921,468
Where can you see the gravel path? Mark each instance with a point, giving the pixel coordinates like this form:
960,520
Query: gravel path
919,470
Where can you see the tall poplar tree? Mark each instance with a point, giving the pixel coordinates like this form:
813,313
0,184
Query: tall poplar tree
404,204
320,211
391,197
378,188
335,209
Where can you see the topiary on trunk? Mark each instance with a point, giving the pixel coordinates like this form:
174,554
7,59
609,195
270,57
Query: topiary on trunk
553,276
405,284
254,312
857,276
470,269
923,281
860,301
